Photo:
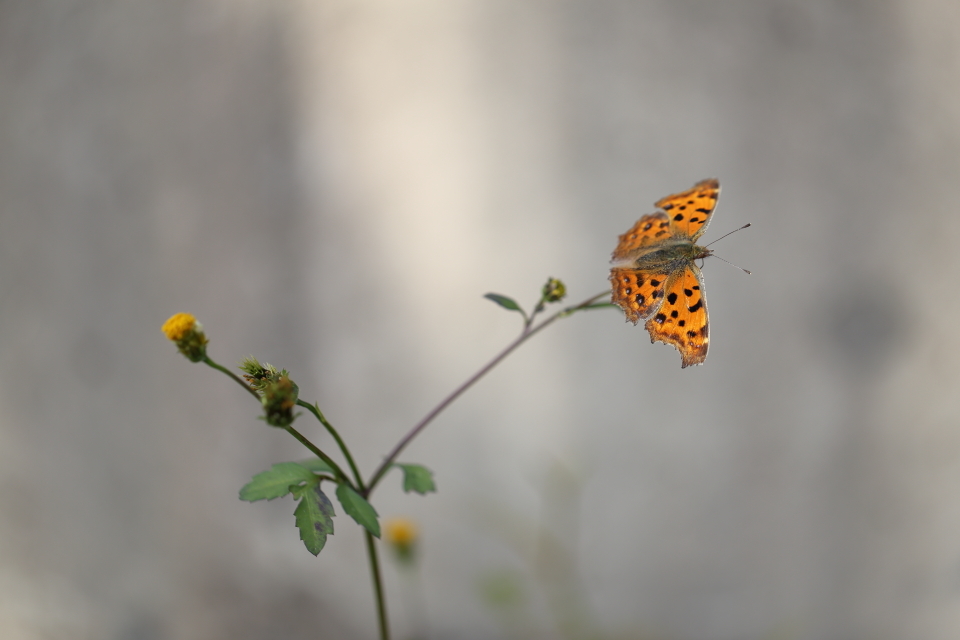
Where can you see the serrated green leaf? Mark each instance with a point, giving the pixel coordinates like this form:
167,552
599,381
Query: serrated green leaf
276,482
504,301
316,465
355,506
417,477
314,517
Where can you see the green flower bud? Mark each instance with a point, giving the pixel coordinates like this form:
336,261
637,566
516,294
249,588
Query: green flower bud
554,290
260,375
279,397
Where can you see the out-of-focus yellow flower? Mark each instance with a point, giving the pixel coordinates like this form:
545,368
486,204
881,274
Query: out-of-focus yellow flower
184,331
402,535
401,531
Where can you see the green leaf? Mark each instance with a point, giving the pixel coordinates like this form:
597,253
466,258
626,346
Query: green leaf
276,482
316,465
504,301
595,305
417,478
358,508
314,517
602,305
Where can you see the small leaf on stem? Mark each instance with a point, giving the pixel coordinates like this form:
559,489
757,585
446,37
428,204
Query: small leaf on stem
314,517
417,478
276,482
355,506
504,301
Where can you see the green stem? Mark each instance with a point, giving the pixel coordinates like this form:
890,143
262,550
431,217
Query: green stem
341,476
527,333
377,585
238,379
315,410
537,309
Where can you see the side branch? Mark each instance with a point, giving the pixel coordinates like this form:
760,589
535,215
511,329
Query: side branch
528,331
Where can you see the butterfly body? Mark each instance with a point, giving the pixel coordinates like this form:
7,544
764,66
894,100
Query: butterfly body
654,274
670,258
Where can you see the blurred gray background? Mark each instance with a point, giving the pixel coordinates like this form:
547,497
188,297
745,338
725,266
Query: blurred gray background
333,185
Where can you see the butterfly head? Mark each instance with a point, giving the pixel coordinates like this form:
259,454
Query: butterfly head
697,252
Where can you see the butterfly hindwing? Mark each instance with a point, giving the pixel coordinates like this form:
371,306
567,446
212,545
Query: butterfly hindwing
682,318
689,211
638,293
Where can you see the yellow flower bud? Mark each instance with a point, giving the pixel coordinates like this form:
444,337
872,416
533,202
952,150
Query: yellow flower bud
183,330
177,325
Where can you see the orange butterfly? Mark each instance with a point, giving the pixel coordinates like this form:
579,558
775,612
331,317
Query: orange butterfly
654,275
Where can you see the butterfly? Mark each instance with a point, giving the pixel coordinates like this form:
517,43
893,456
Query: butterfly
654,275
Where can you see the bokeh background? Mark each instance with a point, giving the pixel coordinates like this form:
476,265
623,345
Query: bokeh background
332,185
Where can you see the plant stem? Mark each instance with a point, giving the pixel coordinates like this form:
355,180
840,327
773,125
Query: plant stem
315,410
377,585
341,476
528,331
238,379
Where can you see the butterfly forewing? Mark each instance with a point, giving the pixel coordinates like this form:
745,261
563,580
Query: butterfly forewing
682,318
648,231
689,211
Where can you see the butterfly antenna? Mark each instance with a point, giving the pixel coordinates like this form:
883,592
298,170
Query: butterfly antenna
731,233
746,271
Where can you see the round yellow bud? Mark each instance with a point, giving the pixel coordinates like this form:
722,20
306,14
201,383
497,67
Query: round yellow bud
177,326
